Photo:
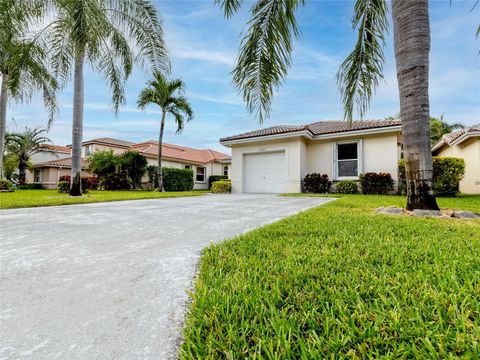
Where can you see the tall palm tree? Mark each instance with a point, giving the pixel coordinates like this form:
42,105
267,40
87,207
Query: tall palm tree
265,57
23,62
24,145
440,127
110,35
168,96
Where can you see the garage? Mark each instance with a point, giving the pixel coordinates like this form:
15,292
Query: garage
265,172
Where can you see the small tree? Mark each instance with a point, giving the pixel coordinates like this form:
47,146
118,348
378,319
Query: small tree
102,163
134,166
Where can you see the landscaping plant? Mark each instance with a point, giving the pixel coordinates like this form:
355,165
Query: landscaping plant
376,183
213,178
134,165
5,184
346,187
316,183
222,187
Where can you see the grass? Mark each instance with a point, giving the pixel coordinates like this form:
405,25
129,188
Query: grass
35,198
337,282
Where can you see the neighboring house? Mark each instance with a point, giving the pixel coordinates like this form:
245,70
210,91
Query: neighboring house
463,144
48,152
203,162
276,159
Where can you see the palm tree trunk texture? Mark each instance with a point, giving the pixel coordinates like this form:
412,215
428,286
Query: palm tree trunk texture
3,119
160,142
412,47
22,172
77,126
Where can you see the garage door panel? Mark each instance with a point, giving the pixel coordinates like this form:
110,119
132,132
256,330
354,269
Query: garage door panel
265,173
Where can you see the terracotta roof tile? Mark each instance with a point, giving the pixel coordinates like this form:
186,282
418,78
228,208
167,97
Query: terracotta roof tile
63,163
56,148
317,128
109,141
450,138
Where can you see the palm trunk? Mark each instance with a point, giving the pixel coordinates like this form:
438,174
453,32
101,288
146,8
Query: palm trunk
412,47
160,142
77,125
22,172
3,119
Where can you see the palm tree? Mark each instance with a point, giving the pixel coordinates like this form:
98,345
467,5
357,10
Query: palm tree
168,96
24,145
265,57
439,127
111,36
23,62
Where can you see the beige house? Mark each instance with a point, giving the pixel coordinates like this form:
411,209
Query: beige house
203,162
276,159
463,144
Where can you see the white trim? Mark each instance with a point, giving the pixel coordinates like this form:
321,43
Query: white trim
305,133
359,159
461,139
204,175
358,132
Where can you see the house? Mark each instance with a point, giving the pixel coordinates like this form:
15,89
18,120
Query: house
203,162
463,144
276,159
48,152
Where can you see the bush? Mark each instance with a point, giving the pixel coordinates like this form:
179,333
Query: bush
5,184
222,187
88,182
63,186
447,173
316,183
213,178
376,183
134,166
29,186
66,178
346,187
115,182
177,179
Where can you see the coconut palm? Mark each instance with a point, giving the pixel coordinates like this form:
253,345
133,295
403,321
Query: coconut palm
265,57
168,96
439,127
23,62
24,145
110,35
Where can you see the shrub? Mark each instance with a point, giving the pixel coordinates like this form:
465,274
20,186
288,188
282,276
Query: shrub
317,183
447,173
5,184
376,183
134,166
115,182
213,178
29,186
346,187
66,178
222,187
63,186
103,163
177,179
88,182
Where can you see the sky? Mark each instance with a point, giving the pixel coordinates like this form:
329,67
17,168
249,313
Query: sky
203,46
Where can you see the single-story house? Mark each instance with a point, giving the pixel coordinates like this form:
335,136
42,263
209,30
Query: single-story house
465,144
203,162
276,159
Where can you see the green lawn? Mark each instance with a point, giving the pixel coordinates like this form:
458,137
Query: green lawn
339,281
35,198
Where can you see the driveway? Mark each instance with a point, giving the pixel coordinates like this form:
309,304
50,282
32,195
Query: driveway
110,280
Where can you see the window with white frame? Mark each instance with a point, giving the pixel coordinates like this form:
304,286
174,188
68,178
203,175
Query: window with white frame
200,174
225,170
36,176
88,149
347,159
189,167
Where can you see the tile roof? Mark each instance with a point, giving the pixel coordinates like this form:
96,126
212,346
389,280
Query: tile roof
109,141
63,163
182,153
317,128
56,148
450,138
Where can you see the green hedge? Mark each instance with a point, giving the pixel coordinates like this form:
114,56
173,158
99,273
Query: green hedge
30,186
213,178
376,183
447,173
222,187
177,179
346,187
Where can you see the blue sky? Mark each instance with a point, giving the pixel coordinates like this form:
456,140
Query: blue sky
203,46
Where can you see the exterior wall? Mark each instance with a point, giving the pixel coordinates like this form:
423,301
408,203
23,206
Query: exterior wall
49,176
469,151
296,157
379,153
48,155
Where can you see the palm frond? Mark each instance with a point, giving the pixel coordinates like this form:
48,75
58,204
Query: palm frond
360,73
229,7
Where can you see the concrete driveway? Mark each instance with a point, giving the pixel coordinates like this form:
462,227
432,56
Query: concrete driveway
109,280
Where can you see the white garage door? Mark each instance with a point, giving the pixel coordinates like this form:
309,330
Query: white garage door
265,173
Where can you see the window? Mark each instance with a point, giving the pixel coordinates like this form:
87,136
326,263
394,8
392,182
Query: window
36,175
189,167
200,174
225,170
347,160
88,149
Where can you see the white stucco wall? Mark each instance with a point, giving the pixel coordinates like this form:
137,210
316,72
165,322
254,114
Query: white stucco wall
469,151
